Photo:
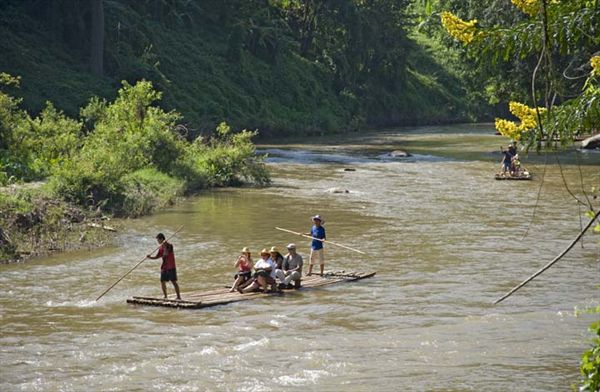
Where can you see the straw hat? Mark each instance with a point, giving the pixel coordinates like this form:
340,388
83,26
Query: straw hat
265,251
246,250
274,250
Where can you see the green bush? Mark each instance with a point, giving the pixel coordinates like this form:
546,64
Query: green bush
590,361
15,158
228,159
31,148
133,160
147,190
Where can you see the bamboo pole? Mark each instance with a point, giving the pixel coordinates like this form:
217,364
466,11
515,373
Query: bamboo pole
564,252
318,239
135,266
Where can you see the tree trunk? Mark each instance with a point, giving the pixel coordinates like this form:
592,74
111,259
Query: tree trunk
97,37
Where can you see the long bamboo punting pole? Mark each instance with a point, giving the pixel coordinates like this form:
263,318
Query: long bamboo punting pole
564,252
135,266
318,239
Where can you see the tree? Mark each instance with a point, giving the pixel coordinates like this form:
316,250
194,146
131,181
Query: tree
560,37
96,36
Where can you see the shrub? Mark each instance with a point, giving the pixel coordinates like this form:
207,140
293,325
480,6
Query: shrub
146,190
228,159
132,159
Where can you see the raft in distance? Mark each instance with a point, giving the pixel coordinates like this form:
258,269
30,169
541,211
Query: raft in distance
522,177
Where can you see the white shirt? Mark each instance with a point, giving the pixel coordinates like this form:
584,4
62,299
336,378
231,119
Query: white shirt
264,264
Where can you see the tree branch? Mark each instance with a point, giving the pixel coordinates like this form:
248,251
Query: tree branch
564,252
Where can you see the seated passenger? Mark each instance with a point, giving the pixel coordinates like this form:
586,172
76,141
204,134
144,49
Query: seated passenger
244,266
264,273
292,267
516,165
278,260
276,256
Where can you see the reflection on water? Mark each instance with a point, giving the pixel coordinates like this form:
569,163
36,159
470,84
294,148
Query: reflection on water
445,238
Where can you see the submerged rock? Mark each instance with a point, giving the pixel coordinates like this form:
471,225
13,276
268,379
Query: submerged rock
338,190
399,154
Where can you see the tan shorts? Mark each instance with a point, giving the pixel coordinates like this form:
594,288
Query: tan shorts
316,254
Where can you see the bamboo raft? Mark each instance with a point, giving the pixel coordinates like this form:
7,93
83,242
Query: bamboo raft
222,296
522,177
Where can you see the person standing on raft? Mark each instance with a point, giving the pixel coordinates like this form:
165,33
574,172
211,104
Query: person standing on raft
316,246
168,270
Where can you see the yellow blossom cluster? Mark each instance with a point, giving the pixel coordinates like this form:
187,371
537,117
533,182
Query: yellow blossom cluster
530,7
527,115
595,62
508,129
458,28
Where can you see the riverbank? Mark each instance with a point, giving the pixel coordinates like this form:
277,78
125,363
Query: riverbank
33,223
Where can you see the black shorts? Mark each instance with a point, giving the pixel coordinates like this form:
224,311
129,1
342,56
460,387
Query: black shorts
168,275
245,274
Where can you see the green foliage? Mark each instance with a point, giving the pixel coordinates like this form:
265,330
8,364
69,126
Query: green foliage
227,159
53,138
128,135
31,148
590,360
277,66
555,40
146,190
133,160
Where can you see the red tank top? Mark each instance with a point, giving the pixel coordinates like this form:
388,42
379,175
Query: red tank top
244,265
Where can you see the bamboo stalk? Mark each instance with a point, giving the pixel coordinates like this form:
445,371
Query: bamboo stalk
135,266
318,239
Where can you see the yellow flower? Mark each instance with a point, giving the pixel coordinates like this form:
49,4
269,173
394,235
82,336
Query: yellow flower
530,7
508,129
458,28
595,62
525,114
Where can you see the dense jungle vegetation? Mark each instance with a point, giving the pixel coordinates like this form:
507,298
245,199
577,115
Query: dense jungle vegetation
278,66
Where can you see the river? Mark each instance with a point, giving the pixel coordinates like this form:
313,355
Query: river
445,238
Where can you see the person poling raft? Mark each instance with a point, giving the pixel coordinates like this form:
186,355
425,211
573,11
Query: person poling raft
168,270
144,259
321,239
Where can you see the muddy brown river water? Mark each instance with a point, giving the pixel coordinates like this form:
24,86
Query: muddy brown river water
445,238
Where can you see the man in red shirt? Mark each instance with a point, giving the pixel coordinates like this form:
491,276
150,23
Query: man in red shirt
168,271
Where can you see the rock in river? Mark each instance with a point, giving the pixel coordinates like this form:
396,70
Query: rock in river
338,190
399,154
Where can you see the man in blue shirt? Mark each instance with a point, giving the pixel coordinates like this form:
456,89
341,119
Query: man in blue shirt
316,247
